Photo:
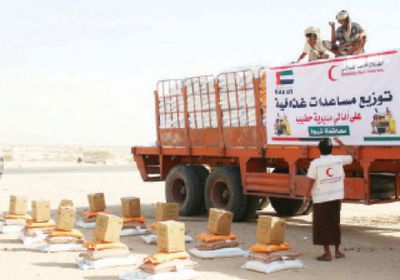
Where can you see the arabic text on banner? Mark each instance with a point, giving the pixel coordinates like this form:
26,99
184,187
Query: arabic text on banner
356,99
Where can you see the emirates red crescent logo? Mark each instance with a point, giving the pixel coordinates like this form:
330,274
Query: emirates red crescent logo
330,74
328,172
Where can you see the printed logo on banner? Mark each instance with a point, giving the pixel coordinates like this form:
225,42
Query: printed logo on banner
310,103
355,68
284,77
284,81
284,86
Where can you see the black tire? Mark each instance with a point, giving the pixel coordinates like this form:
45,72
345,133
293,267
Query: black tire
383,185
202,174
289,207
252,205
183,186
383,195
382,182
224,190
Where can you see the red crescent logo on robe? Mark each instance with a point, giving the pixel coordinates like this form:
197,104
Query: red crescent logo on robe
328,172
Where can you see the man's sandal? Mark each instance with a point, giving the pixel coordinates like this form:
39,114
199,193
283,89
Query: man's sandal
340,256
323,259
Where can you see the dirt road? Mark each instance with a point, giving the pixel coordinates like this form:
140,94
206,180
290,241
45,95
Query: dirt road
371,234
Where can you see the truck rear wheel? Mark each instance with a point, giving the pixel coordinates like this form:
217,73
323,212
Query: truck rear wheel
290,207
253,203
202,174
183,186
224,190
383,185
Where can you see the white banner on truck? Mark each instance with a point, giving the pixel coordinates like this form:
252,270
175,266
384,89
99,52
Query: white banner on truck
354,98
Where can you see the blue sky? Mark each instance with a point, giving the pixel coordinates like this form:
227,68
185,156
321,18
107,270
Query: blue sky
83,72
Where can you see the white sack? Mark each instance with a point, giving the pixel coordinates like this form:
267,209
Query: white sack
53,248
219,253
184,274
85,264
152,238
273,266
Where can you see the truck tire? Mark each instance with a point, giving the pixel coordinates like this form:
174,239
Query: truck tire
202,174
183,186
382,182
253,203
224,190
290,207
383,195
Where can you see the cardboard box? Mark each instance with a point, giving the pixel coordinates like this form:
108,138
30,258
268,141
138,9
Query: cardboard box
41,210
108,227
166,211
18,205
219,221
66,202
130,207
270,230
96,202
66,218
171,236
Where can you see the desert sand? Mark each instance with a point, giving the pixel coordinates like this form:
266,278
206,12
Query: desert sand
370,234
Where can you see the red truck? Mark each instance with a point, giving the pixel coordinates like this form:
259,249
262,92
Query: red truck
212,151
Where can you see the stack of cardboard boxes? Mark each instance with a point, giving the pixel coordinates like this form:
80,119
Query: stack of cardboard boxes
171,258
133,222
41,222
218,241
15,219
106,250
64,237
97,205
164,212
271,253
66,202
270,230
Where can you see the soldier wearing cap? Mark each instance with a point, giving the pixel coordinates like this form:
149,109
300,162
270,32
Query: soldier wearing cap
348,39
313,46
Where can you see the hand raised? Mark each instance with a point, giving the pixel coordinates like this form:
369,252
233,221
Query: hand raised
338,141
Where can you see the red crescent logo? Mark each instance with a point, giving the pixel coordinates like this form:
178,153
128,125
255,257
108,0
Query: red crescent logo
330,73
328,170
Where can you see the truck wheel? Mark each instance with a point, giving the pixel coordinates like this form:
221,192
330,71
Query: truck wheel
202,174
382,185
382,182
224,190
289,207
253,203
383,195
184,187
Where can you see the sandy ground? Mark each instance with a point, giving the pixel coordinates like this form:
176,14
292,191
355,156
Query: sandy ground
371,234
